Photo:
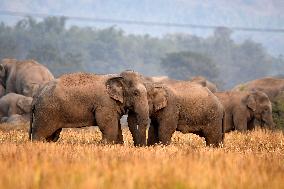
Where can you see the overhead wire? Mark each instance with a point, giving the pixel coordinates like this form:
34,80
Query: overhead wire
142,23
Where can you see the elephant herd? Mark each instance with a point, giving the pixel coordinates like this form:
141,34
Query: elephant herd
19,81
30,92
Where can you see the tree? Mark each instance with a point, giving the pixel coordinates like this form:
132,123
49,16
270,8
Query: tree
184,65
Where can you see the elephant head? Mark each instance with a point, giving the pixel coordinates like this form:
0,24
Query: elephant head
24,104
261,108
5,67
157,97
129,91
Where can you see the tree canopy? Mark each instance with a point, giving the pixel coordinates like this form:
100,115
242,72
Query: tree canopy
68,49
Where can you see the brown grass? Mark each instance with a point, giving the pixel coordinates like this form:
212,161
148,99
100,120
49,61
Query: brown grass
78,160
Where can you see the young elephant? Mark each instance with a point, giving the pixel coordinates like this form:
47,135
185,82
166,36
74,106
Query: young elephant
180,106
13,103
243,108
81,99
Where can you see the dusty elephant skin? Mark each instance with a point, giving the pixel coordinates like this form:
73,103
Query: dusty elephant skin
14,104
23,77
205,83
198,79
243,108
81,99
181,106
269,85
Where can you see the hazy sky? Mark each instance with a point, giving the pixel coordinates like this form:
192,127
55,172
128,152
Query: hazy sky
243,13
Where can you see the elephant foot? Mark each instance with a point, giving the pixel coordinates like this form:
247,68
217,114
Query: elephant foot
55,136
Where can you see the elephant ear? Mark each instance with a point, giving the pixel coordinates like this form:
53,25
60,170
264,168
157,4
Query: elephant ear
160,99
25,104
251,103
115,87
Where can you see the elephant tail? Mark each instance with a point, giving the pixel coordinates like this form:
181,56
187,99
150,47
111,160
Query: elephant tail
223,126
31,121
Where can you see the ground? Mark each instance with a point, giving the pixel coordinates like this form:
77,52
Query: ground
78,160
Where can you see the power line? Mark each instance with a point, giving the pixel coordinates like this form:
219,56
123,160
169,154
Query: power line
142,23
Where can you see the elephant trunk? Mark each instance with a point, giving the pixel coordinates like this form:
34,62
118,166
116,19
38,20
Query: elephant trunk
268,123
268,126
142,115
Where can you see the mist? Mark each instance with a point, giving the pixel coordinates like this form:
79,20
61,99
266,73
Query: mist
223,55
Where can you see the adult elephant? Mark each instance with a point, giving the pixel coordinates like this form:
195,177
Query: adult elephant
23,77
243,108
180,106
272,86
14,104
81,99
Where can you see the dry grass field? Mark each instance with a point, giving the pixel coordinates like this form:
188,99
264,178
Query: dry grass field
78,160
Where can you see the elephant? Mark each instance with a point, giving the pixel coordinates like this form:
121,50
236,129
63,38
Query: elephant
242,109
12,104
205,83
180,106
82,99
16,119
272,86
23,77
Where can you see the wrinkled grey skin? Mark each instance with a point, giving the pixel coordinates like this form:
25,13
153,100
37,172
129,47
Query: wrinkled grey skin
23,77
16,119
242,109
205,83
2,90
272,86
13,103
81,99
180,106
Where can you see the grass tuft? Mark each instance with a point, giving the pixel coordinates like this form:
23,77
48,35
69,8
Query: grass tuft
78,160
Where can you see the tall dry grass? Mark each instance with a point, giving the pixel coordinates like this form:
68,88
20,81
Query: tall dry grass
78,160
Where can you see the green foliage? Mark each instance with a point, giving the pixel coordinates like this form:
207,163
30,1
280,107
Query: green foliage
184,65
242,87
68,49
278,111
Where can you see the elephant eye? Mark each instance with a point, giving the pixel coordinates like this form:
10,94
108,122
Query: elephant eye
136,93
266,109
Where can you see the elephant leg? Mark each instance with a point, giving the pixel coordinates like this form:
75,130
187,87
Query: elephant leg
55,136
251,124
166,129
240,123
214,135
132,125
107,121
119,136
45,132
153,136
